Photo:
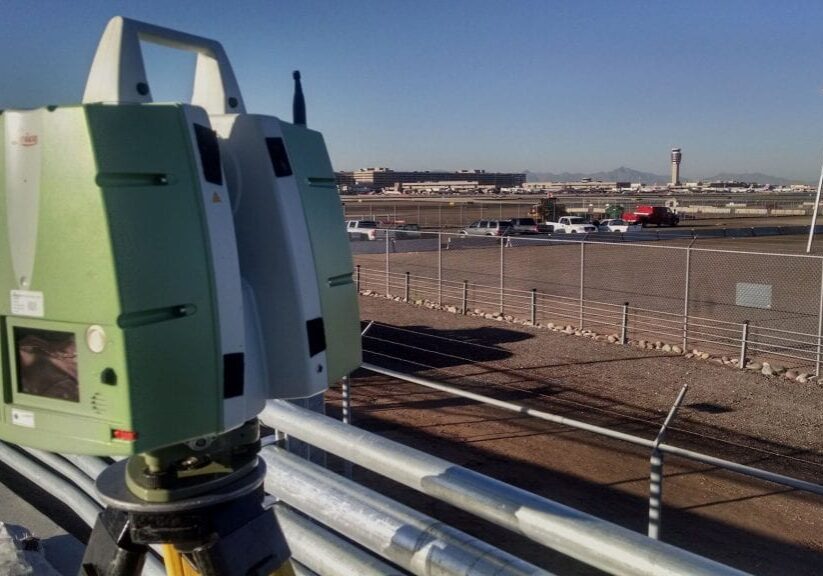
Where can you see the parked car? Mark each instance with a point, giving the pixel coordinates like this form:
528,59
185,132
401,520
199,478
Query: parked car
648,215
524,226
406,231
617,225
572,225
488,228
361,229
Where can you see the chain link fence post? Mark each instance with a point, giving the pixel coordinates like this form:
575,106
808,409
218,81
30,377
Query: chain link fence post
819,324
357,277
686,299
388,282
439,268
502,265
582,278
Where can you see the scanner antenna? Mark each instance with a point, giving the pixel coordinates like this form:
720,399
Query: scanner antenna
299,103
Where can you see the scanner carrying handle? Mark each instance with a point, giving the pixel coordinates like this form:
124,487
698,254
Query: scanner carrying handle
118,75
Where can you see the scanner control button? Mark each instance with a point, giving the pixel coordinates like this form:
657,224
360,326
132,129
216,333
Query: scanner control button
96,338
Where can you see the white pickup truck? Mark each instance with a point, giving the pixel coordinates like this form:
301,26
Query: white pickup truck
571,225
362,229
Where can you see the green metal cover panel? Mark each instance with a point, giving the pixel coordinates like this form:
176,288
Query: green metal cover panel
330,244
122,244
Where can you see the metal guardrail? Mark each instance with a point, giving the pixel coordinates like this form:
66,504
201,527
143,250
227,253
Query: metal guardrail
591,540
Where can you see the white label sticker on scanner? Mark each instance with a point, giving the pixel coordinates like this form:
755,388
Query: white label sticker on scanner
22,418
25,303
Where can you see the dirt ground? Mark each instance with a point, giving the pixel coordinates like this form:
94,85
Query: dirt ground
764,422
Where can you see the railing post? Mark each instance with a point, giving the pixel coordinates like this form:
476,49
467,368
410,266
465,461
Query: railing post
582,275
656,470
407,287
655,493
345,408
534,307
465,296
439,268
502,264
346,403
624,323
744,344
357,277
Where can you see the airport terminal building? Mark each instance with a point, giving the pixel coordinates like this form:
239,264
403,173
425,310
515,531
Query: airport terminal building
376,178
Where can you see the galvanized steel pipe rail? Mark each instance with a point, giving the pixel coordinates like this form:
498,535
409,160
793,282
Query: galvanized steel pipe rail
322,552
405,537
587,538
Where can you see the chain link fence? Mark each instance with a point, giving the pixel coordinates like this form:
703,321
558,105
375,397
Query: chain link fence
736,303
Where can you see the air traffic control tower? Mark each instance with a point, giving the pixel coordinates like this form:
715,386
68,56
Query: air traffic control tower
676,157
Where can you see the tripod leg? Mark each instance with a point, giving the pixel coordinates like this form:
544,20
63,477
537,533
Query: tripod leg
110,551
174,562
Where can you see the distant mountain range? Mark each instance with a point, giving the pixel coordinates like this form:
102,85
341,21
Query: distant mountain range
624,174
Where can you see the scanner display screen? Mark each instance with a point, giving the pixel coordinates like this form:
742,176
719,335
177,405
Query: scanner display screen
46,363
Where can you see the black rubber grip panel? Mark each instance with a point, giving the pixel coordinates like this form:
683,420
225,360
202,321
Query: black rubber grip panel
209,154
279,157
317,336
233,370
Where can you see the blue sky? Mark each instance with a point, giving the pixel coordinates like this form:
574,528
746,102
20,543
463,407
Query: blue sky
537,85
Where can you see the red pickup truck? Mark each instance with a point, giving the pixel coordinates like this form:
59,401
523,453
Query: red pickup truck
648,215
